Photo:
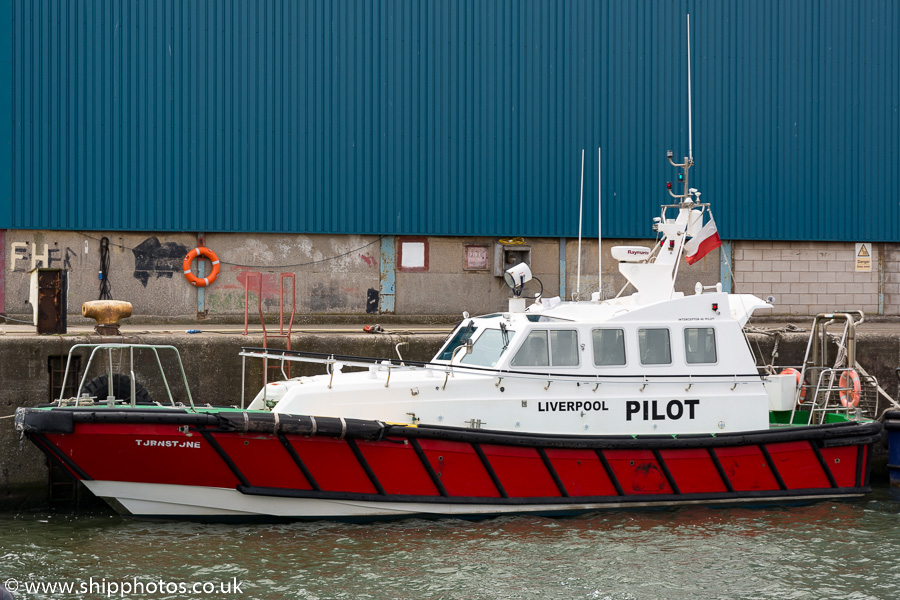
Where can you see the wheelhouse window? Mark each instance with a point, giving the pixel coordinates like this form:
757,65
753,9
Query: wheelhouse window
609,347
654,346
554,348
489,347
700,345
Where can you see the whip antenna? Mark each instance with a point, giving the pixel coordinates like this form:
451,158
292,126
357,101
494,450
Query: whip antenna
690,138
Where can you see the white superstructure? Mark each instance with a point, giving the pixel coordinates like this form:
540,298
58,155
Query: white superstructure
653,361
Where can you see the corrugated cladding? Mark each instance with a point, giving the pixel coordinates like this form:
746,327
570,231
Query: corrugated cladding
448,118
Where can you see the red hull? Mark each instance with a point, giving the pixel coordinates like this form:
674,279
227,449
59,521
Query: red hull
403,464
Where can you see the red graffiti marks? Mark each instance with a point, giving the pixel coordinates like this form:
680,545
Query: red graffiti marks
269,281
368,258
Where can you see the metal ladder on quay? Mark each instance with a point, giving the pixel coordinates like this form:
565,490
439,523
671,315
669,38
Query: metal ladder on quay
282,332
828,387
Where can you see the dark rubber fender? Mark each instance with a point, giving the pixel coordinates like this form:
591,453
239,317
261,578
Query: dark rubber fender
99,388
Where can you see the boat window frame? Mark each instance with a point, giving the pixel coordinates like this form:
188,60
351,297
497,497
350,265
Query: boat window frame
550,365
476,338
715,347
624,348
641,348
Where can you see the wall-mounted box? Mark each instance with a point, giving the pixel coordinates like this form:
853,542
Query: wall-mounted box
506,256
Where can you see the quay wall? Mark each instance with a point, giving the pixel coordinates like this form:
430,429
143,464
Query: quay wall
213,370
359,277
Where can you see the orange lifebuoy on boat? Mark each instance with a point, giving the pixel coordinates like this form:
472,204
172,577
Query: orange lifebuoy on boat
849,384
189,258
796,374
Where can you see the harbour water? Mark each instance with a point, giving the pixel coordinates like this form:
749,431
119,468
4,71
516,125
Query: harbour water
824,550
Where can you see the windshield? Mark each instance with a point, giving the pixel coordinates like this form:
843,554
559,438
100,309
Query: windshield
489,347
462,335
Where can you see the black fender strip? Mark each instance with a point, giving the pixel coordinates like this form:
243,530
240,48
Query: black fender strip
774,495
859,465
223,455
824,465
552,470
720,469
609,472
665,471
831,434
52,452
298,461
772,468
490,470
366,466
428,468
868,456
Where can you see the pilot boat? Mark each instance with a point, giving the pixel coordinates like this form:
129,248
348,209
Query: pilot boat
649,399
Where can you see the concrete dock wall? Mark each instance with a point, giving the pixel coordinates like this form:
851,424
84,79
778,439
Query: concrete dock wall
213,369
335,275
361,276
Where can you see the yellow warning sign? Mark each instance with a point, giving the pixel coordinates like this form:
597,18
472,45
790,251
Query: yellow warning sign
863,257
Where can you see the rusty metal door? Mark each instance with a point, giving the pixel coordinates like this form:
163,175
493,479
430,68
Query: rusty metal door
51,309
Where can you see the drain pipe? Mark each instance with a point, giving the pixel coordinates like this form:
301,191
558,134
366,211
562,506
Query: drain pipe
562,267
881,280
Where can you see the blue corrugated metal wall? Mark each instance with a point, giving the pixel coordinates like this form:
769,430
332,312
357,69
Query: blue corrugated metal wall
449,118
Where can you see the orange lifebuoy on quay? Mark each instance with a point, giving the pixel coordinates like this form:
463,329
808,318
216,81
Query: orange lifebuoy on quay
189,258
796,374
849,384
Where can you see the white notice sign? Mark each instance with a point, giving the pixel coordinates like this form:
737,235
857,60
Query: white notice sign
864,257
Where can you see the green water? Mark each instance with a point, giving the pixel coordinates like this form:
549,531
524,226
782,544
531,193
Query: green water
826,550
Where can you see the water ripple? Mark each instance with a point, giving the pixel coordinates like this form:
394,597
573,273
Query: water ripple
826,550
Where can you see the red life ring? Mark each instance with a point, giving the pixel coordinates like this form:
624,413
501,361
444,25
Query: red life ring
796,373
849,384
186,266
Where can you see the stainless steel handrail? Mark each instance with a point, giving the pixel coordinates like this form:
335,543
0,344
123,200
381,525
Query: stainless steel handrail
155,348
449,369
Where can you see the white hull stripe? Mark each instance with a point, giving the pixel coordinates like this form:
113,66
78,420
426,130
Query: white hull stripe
167,500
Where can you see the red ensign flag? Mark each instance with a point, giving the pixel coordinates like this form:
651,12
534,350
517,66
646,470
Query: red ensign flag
703,243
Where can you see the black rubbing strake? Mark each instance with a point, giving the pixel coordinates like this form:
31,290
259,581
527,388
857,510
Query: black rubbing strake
771,463
720,469
487,466
550,469
298,461
365,465
666,472
224,456
824,464
428,468
609,472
